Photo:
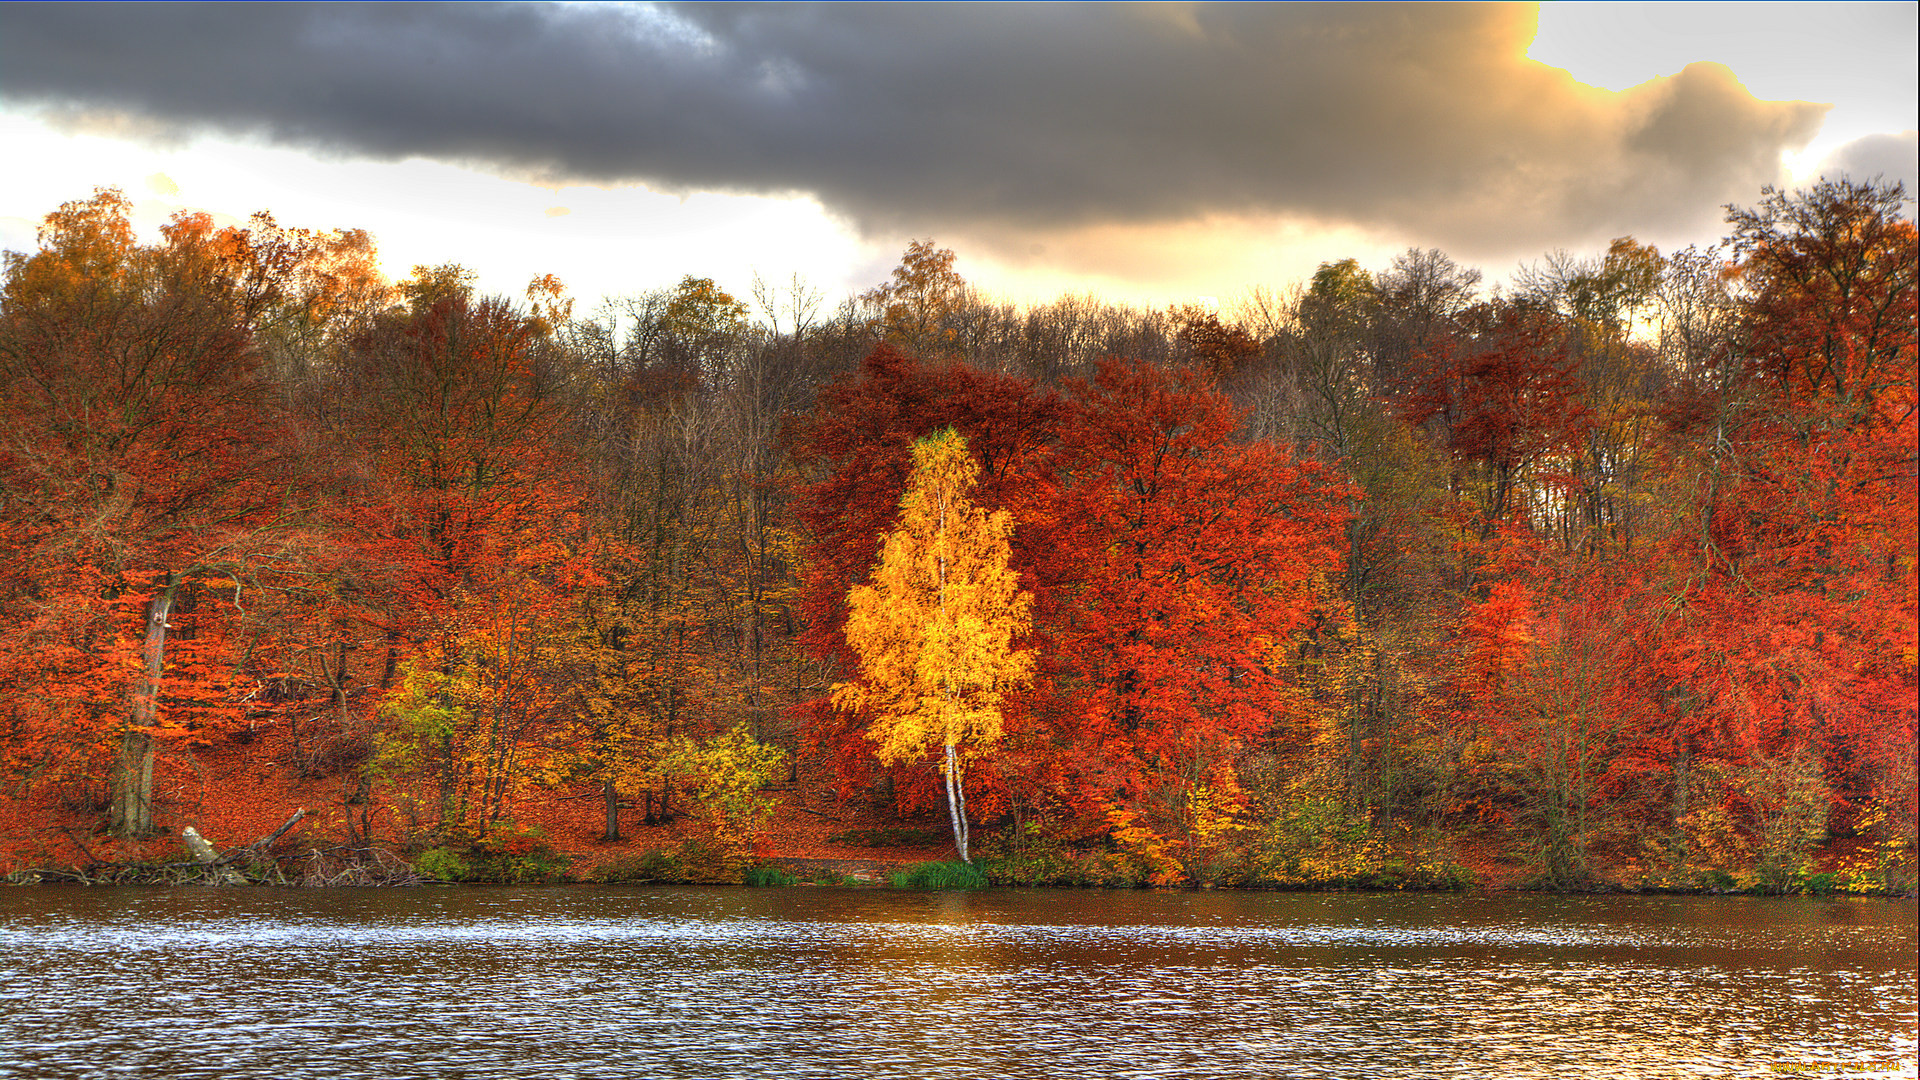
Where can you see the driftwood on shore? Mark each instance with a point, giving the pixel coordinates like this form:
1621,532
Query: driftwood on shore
250,864
203,853
330,867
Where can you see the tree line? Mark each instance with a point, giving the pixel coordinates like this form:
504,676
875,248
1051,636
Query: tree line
1611,571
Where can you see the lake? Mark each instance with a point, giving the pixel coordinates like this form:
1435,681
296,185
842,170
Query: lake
829,982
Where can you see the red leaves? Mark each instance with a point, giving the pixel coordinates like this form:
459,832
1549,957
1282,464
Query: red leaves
1833,313
464,467
140,446
1590,612
1169,564
1196,558
1216,347
1505,400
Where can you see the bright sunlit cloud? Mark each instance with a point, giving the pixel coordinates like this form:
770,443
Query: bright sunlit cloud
1859,58
606,240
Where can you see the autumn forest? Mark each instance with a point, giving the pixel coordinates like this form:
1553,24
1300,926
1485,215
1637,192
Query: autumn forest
1602,578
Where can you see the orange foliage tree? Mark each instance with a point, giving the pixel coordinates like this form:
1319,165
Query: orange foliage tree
1195,560
145,470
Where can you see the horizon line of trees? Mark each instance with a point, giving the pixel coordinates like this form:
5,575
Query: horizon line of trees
1613,567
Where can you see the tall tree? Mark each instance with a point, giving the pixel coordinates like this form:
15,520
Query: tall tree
913,308
455,414
1775,659
1195,558
1832,270
858,447
142,455
935,629
1505,401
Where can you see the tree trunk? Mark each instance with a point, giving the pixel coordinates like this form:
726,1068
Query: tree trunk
130,813
613,808
957,804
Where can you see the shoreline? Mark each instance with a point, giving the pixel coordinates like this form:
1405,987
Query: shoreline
774,872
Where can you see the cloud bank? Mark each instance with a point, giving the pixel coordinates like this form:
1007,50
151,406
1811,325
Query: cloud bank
999,123
1886,157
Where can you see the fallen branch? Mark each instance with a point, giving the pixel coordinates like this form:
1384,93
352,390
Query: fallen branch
264,844
347,865
67,831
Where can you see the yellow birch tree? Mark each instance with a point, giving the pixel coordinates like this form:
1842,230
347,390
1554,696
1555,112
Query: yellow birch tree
935,629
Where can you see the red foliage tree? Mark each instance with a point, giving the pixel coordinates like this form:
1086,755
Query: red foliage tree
461,465
1168,564
1780,636
144,469
1196,557
1831,311
1504,398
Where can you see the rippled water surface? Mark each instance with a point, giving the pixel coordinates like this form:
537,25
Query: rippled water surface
817,982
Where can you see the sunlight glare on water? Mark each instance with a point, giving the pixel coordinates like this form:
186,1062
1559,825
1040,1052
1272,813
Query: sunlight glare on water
808,982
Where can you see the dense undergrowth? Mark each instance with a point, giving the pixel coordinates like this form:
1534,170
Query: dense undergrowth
523,856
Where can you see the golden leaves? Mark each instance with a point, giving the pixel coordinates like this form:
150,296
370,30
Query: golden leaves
935,629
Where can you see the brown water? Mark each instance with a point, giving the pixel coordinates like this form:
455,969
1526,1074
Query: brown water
816,982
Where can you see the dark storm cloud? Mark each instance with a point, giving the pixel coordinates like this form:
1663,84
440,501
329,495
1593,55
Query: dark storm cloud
978,120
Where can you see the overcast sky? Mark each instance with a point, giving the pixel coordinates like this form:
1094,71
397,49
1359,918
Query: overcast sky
1142,152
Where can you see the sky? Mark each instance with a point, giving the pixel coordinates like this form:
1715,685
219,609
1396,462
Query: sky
1151,154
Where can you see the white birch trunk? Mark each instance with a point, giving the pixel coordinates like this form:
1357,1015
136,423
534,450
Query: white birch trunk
957,804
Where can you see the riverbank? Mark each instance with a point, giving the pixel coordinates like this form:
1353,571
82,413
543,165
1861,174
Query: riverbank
271,824
666,861
338,867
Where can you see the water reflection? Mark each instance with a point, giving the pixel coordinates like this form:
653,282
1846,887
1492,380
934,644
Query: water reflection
829,982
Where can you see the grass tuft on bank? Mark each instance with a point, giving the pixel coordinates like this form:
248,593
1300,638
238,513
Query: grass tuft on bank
941,875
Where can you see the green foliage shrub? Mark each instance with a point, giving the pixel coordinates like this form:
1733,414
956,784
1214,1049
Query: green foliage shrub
511,855
506,855
1032,868
1717,880
1314,840
440,864
726,774
1318,844
711,860
768,877
940,875
1065,867
1032,853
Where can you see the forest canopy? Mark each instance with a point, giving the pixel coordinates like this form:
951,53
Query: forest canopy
1609,573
